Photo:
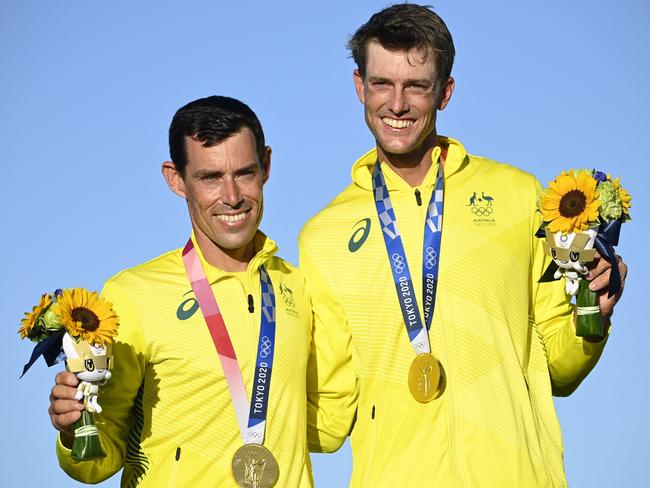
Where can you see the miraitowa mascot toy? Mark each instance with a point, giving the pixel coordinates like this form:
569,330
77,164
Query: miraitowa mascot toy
91,364
571,253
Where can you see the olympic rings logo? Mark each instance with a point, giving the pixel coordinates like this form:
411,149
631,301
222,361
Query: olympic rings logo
265,350
482,211
431,257
398,262
254,434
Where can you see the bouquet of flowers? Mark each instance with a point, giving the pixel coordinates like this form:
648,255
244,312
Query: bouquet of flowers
582,212
79,326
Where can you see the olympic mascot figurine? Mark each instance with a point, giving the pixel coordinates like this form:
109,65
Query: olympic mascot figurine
91,364
571,253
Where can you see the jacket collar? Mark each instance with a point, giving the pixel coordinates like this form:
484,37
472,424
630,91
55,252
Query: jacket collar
362,168
265,248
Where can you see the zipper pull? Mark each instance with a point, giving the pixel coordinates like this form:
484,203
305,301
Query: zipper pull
418,197
251,307
178,454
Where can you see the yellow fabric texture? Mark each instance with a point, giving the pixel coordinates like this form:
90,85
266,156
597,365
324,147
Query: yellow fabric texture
168,416
506,342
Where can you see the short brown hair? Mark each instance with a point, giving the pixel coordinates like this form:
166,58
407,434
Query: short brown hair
403,27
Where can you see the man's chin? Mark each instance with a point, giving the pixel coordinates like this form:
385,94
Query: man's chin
403,148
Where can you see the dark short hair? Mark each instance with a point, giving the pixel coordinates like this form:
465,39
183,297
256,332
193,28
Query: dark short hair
210,121
403,27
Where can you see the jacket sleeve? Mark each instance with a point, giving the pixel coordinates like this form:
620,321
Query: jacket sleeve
570,358
116,397
332,387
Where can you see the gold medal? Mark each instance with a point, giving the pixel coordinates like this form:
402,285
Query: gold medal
426,378
253,466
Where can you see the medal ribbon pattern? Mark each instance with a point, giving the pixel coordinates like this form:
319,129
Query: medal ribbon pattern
397,257
252,426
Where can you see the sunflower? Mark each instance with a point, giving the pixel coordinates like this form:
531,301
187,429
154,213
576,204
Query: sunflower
86,316
570,203
626,198
32,317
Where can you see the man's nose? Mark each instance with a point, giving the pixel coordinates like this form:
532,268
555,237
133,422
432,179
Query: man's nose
398,103
231,195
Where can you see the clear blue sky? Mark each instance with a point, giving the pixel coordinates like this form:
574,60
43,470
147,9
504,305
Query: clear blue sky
88,89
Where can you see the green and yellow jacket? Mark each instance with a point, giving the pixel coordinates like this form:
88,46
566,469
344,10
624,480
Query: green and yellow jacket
167,414
506,342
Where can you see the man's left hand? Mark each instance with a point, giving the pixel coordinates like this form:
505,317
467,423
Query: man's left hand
599,278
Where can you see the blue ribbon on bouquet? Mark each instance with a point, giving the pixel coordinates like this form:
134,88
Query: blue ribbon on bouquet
606,239
49,348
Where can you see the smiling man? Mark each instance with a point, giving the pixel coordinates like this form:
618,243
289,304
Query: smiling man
203,327
441,325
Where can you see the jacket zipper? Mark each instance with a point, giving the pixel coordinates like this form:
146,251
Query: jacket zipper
418,197
251,306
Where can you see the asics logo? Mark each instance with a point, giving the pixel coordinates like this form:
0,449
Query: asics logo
265,350
187,308
430,257
398,262
359,236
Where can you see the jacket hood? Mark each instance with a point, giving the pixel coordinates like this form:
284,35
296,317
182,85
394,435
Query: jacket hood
362,168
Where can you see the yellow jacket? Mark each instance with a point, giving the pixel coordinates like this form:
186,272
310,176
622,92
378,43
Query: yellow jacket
168,417
506,342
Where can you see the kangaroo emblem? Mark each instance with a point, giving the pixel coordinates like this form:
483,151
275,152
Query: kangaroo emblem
487,198
472,199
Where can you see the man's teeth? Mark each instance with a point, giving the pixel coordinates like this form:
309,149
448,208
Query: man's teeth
232,218
397,124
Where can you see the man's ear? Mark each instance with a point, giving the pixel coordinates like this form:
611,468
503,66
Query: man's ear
266,163
173,178
446,93
358,85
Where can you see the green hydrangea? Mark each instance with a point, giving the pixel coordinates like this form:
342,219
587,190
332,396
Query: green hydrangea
610,201
51,321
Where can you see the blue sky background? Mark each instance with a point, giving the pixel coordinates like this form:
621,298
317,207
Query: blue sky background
88,89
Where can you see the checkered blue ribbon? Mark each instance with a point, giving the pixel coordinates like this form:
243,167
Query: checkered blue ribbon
397,257
264,362
431,256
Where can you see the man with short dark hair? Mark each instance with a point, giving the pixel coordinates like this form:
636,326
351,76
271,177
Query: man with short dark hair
454,347
203,331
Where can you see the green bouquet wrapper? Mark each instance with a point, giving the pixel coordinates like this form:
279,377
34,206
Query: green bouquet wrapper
86,443
589,322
